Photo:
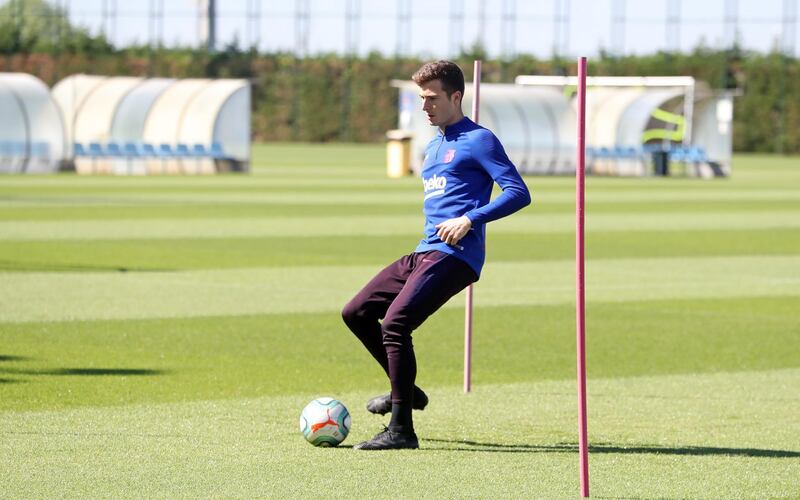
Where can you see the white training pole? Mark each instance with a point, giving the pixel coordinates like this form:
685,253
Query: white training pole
468,314
580,290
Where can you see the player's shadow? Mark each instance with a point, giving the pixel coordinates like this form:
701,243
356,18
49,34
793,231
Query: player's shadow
474,446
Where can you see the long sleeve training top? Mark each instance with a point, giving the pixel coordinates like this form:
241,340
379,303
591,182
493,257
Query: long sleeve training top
460,167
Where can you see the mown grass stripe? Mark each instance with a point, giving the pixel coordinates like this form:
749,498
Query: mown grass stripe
63,296
75,210
373,225
190,194
707,442
61,364
223,253
263,338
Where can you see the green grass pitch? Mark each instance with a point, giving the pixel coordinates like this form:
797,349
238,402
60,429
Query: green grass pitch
159,336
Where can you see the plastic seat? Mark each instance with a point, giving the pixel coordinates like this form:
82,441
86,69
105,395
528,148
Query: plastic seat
95,149
216,151
165,151
678,154
182,150
631,152
147,150
131,150
200,151
113,149
652,148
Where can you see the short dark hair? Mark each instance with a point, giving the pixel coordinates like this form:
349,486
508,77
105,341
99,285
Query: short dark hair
447,72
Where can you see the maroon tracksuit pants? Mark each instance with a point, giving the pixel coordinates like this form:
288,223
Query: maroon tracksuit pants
403,295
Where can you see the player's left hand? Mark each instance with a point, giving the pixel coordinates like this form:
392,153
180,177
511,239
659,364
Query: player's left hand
452,230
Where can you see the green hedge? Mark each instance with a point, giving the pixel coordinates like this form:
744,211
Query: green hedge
333,98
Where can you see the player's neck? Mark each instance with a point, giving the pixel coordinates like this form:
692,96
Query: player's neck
456,118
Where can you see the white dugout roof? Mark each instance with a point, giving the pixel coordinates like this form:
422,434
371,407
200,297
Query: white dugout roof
132,111
157,111
32,138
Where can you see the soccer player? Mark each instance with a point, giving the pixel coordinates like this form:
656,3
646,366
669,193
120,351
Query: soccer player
461,164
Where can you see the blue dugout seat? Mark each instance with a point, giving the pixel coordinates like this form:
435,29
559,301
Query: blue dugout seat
129,150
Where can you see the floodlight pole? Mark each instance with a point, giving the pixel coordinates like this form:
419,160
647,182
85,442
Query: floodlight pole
211,42
580,172
468,310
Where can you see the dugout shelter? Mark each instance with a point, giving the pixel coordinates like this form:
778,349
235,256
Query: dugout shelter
132,125
32,138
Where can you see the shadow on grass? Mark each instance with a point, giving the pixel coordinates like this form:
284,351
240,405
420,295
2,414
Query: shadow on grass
136,372
92,372
474,446
12,266
10,357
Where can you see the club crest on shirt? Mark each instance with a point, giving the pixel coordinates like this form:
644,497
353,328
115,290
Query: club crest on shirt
449,155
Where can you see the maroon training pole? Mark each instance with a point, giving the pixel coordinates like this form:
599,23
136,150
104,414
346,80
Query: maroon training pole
580,279
468,314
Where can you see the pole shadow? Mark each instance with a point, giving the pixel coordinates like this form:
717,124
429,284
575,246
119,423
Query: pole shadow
689,450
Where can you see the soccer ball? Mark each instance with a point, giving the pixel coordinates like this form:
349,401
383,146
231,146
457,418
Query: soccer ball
325,422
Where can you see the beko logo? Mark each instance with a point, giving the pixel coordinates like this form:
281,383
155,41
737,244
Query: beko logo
434,186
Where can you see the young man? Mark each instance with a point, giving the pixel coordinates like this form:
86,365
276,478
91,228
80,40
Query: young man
461,164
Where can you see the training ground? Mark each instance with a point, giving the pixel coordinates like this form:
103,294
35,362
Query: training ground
160,335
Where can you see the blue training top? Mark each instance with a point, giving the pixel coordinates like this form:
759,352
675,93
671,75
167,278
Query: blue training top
458,173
